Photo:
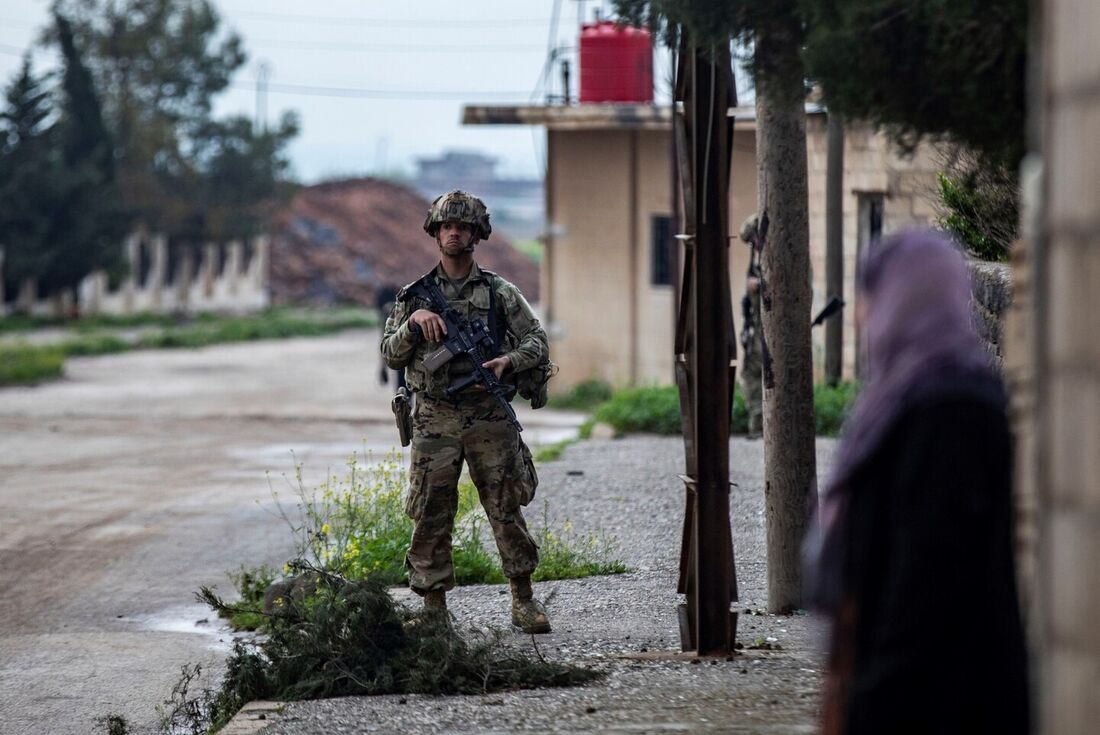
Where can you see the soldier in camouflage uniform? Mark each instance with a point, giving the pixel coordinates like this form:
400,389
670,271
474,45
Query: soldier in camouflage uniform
472,426
752,363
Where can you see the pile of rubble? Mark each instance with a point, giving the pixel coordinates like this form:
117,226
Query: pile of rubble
347,241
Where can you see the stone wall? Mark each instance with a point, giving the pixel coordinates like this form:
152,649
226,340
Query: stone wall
992,291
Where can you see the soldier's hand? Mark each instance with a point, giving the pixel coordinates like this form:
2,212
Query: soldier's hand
498,364
752,284
431,324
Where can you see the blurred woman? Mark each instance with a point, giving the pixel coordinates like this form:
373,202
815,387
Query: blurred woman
912,554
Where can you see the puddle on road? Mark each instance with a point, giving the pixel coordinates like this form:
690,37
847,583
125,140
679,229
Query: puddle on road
191,619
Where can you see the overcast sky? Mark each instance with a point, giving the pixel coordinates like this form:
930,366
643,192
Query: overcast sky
379,82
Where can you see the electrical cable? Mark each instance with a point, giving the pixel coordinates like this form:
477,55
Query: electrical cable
387,47
385,22
358,92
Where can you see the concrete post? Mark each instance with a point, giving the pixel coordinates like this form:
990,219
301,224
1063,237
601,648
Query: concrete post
208,269
129,285
155,286
232,273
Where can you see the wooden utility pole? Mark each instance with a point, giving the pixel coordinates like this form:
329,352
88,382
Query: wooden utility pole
834,246
705,349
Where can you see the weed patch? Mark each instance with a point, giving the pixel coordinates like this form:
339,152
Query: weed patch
552,452
354,526
22,364
113,724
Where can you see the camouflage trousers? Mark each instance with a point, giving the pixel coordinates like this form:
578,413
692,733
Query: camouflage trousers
444,435
752,385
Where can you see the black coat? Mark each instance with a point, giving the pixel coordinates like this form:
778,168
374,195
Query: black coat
936,643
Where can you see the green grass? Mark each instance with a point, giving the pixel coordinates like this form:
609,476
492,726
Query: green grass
26,323
94,344
23,364
656,410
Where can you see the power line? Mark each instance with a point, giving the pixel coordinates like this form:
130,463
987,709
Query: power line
389,47
388,22
310,90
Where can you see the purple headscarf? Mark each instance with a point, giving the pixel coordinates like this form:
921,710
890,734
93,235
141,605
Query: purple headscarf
920,342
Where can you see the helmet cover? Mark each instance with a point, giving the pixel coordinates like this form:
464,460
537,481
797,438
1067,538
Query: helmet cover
458,206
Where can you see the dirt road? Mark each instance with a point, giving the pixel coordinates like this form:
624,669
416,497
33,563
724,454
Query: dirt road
141,476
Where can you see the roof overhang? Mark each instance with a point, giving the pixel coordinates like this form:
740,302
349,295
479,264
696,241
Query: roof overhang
571,117
597,116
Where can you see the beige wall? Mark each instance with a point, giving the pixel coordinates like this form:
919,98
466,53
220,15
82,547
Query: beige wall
587,305
598,328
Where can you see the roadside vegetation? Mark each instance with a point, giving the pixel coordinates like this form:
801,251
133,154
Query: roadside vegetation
331,628
350,638
656,410
354,526
23,363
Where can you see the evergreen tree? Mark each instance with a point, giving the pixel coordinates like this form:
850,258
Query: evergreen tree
28,178
953,68
88,225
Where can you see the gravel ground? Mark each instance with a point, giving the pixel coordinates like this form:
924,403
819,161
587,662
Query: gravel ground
624,625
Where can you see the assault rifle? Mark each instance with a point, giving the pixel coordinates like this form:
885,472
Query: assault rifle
468,337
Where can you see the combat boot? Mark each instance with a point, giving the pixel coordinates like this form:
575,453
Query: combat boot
528,614
435,600
433,610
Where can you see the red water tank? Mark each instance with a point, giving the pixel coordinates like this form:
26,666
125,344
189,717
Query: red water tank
616,63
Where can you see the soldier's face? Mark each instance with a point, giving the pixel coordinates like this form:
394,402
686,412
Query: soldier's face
455,237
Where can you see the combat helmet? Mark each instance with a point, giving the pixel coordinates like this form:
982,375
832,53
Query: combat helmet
458,206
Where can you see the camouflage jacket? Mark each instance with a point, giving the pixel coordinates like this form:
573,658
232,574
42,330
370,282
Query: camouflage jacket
523,338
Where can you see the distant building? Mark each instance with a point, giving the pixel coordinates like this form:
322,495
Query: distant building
515,205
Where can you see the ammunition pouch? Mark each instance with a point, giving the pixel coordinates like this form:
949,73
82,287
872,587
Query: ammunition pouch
531,383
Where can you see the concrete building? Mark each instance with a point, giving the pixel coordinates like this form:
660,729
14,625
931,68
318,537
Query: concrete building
611,258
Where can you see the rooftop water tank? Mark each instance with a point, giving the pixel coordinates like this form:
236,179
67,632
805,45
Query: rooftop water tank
616,63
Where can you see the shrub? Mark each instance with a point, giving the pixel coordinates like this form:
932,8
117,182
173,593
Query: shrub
653,409
351,638
656,410
979,203
584,396
831,406
22,363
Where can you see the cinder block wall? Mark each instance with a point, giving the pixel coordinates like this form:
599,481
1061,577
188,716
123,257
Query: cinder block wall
1066,420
